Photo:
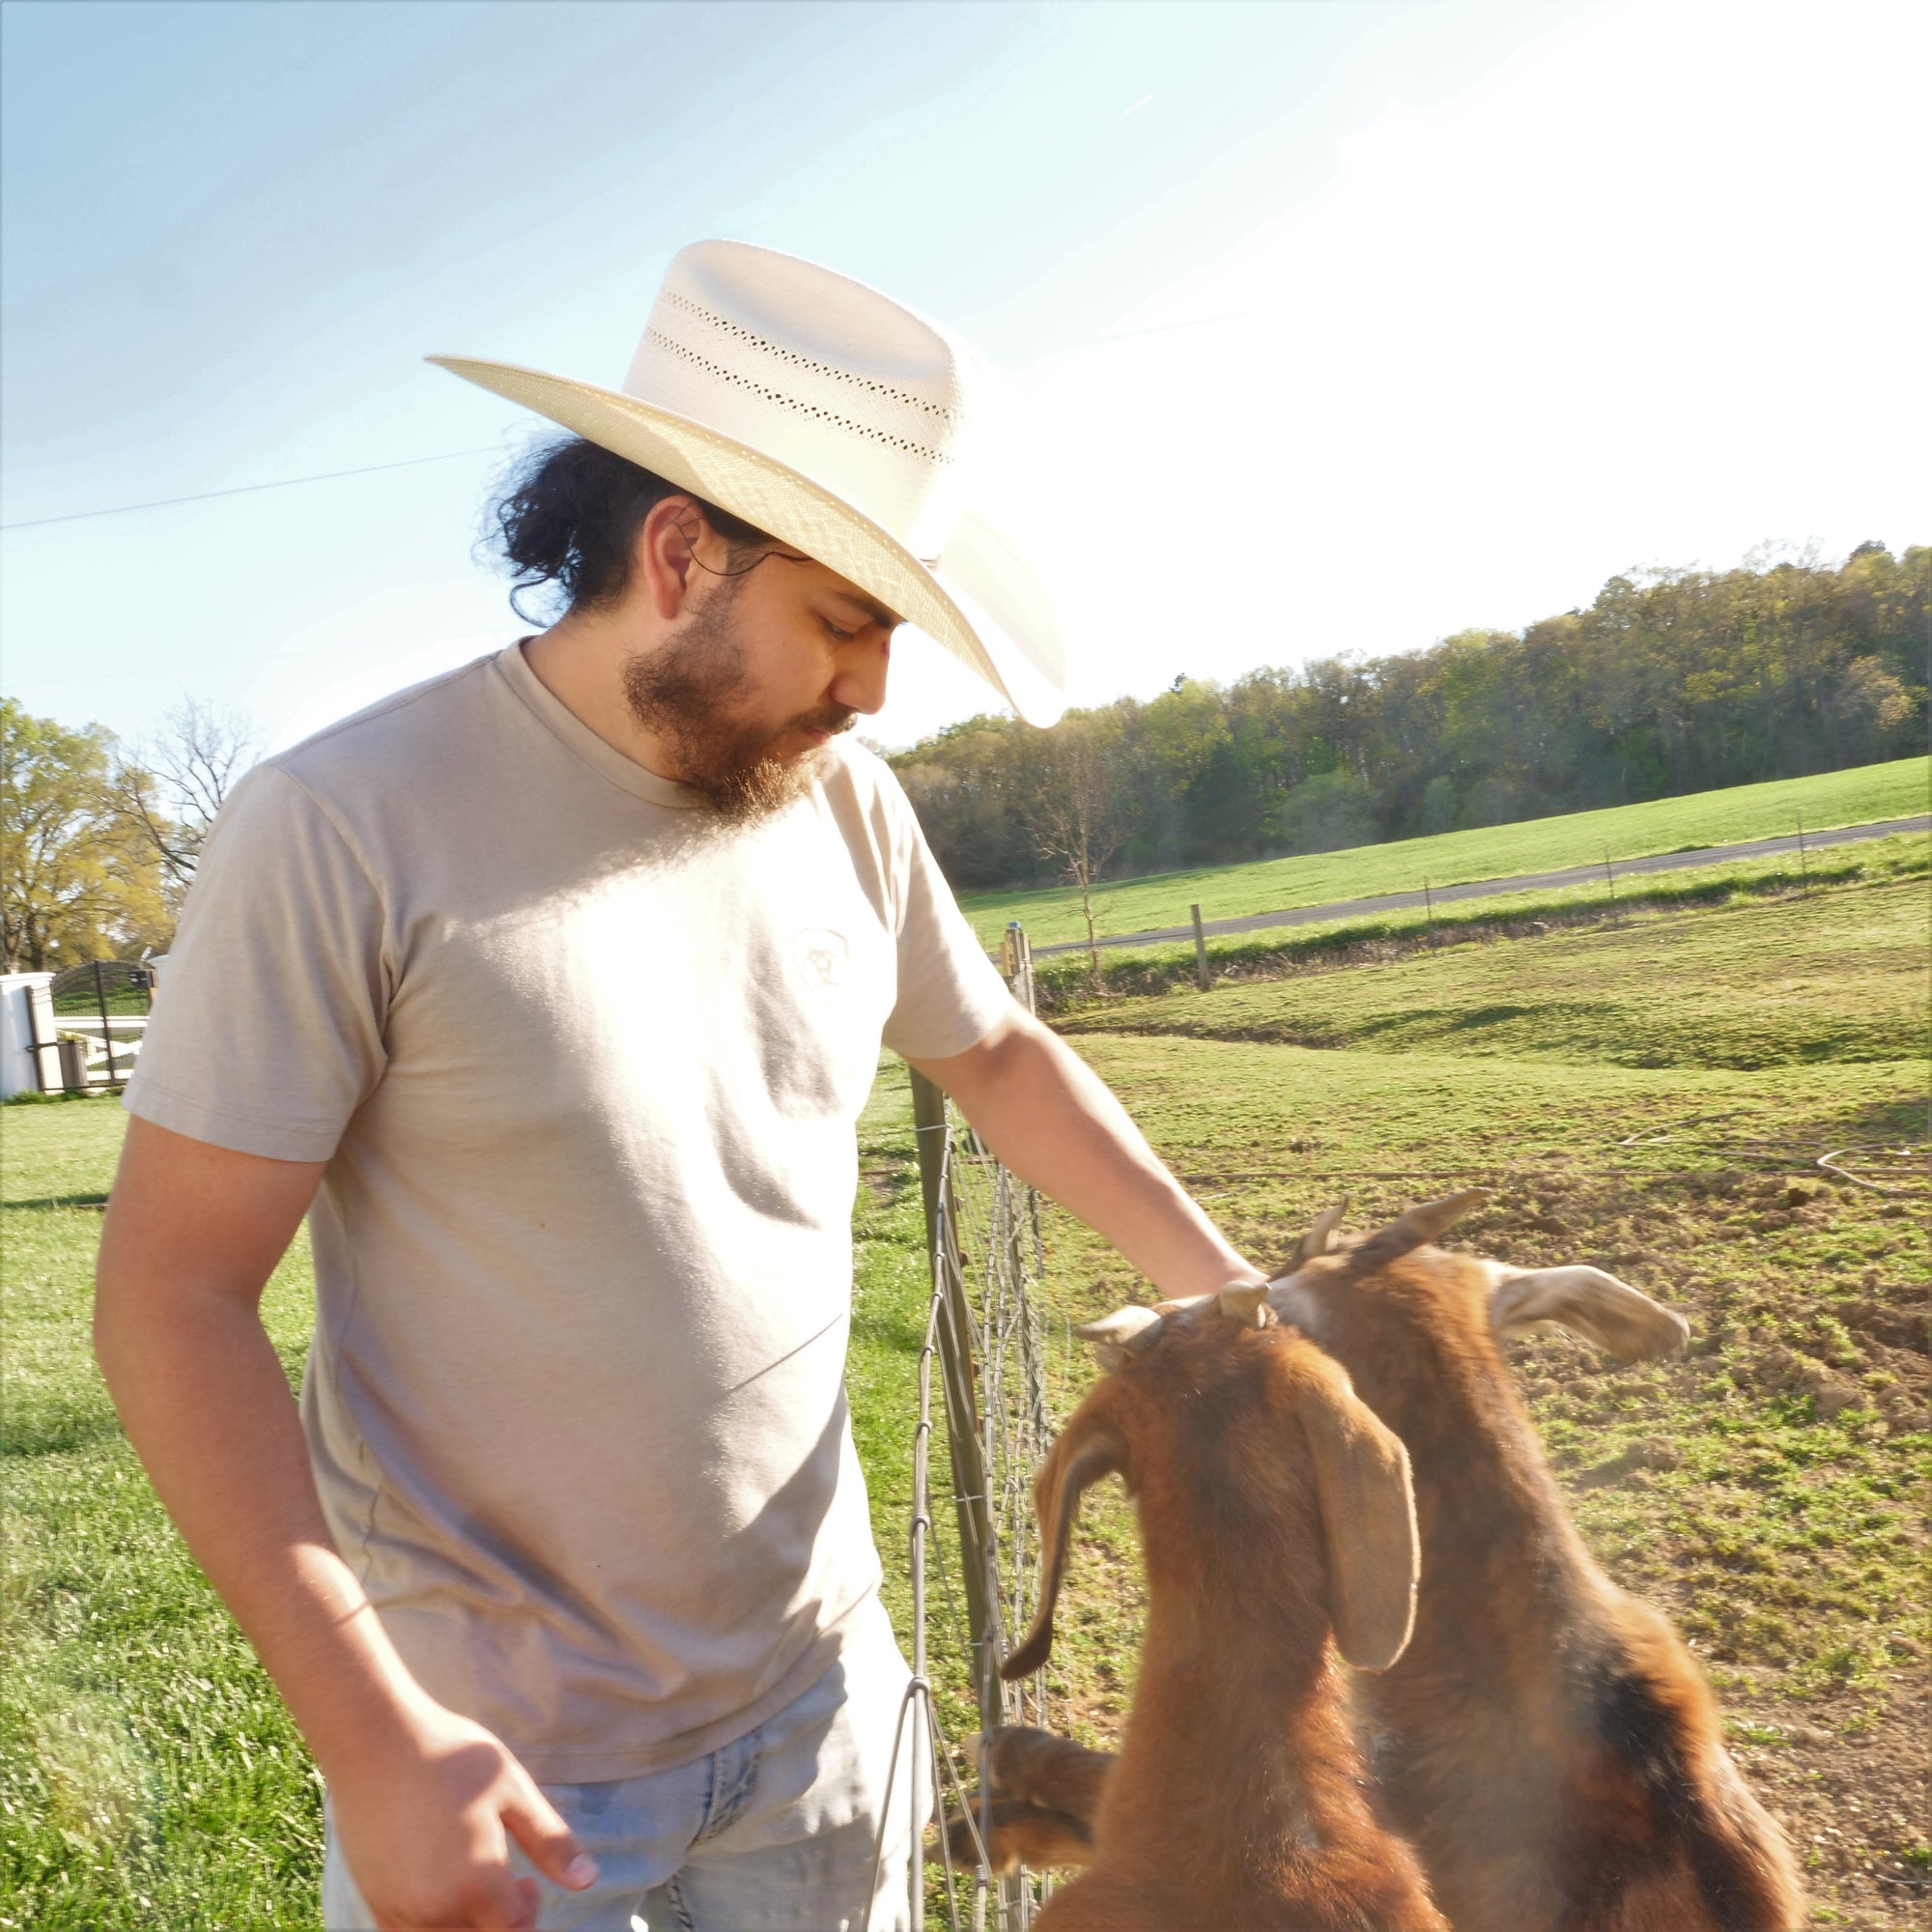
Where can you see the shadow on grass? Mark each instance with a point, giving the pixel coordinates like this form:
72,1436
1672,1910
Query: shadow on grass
1897,1122
58,1201
56,1432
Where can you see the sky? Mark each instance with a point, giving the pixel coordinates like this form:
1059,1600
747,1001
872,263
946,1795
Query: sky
1325,326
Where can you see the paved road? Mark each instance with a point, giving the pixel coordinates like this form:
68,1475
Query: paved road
1481,888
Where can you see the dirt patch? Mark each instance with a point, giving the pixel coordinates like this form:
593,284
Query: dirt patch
886,1181
1847,1780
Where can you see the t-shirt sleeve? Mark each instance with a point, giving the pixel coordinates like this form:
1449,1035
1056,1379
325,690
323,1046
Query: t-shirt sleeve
267,1032
950,993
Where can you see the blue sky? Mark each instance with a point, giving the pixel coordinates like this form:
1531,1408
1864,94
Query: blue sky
1334,325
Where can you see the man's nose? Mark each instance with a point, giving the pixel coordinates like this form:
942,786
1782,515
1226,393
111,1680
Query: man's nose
859,682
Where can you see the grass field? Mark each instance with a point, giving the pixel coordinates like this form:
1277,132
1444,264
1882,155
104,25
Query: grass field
1829,976
1067,983
149,1776
1864,795
148,1773
1651,1097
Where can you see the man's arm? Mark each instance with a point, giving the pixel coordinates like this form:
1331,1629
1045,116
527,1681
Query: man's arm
422,1797
1047,1116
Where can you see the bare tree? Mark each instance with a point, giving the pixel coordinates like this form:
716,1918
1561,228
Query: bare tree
1080,805
170,789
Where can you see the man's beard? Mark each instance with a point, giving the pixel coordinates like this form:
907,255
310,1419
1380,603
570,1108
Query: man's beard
688,693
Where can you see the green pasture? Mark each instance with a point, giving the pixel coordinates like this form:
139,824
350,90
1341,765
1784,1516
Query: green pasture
1837,976
1066,982
1651,1096
149,1776
1862,796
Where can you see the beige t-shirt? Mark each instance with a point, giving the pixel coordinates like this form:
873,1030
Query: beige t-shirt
586,1070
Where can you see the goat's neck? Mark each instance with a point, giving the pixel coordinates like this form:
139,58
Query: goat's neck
1243,1711
1491,1520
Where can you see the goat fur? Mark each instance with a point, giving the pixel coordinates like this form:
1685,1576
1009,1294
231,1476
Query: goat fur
1271,1506
1546,1740
1040,1794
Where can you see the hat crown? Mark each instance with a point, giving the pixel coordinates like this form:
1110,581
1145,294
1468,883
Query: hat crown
828,376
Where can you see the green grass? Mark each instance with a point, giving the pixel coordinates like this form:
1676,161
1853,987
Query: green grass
1651,1099
149,1775
1863,795
1839,975
1066,981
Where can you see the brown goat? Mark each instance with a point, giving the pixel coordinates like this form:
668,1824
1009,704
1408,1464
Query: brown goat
1238,1798
1546,1740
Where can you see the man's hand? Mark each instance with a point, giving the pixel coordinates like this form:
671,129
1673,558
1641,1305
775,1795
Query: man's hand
424,1798
425,1828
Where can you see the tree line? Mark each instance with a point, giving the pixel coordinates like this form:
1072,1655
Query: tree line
99,839
1672,681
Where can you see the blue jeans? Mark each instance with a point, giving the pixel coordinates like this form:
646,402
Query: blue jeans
773,1832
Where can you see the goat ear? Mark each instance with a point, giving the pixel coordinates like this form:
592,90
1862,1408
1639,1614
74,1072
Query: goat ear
1084,1453
1588,1302
1319,1238
1420,1224
1368,1522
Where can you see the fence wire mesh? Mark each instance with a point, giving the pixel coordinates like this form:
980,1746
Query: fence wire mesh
986,1337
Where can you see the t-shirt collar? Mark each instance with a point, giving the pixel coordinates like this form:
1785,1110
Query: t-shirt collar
576,736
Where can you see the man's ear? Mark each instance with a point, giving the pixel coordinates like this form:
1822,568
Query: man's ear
664,558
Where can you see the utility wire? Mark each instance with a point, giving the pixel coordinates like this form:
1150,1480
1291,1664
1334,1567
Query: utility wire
450,456
247,488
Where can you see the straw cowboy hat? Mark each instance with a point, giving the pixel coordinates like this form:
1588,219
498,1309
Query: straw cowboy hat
836,420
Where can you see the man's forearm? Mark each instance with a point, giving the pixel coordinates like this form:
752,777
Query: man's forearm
1050,1118
207,1405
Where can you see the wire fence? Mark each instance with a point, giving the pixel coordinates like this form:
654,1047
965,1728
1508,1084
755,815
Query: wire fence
985,1341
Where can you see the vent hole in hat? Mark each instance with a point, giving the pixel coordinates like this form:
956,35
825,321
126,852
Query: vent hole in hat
799,360
797,407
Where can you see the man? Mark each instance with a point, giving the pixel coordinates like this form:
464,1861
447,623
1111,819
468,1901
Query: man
551,991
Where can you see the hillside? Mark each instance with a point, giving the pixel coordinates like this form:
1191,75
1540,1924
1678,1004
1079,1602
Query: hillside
1866,795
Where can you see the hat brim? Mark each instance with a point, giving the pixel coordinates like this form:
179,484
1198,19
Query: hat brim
979,600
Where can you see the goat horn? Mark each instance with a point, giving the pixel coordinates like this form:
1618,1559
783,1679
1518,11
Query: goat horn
1133,1329
1321,1236
1242,1301
1419,1225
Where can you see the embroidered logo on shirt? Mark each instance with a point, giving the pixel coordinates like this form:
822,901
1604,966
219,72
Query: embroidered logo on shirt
821,956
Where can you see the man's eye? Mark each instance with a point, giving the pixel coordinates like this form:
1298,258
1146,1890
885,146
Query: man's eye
844,637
